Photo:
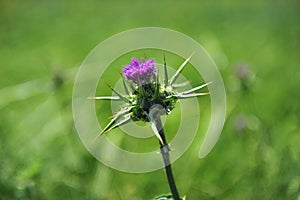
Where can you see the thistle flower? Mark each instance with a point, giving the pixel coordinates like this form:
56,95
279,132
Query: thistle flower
146,100
144,92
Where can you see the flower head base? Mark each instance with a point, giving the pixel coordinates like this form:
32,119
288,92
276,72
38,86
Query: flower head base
140,72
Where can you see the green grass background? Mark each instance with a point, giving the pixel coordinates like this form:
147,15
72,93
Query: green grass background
42,44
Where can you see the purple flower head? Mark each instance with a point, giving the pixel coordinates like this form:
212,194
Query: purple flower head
140,72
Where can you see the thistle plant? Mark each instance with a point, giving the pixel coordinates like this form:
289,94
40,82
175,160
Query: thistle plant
146,100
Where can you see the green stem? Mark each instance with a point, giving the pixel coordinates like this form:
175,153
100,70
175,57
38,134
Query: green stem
165,149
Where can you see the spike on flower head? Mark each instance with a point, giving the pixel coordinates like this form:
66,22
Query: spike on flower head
140,72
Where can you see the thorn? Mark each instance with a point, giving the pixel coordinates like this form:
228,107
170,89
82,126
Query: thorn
116,98
117,93
173,79
196,88
181,84
182,96
156,93
124,84
112,122
123,122
105,129
166,80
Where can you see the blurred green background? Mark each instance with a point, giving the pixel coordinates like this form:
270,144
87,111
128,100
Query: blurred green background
256,46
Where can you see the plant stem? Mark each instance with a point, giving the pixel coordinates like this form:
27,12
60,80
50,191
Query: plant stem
165,149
